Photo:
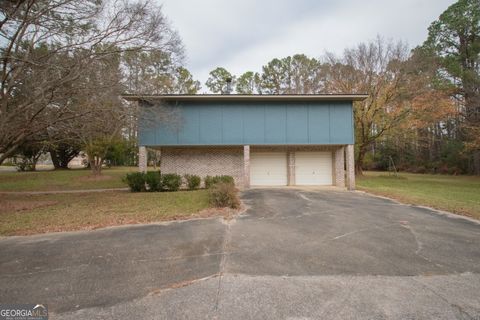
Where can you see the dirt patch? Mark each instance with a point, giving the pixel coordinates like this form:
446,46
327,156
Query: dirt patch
226,213
94,178
9,206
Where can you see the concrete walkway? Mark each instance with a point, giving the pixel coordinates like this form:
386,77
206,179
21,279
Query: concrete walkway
293,254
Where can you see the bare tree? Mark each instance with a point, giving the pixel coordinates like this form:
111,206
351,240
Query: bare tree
46,46
103,113
375,68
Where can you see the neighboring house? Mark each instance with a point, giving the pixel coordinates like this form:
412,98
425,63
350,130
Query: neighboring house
260,140
79,161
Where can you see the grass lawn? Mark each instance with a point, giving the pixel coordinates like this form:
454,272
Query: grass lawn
72,179
459,194
31,214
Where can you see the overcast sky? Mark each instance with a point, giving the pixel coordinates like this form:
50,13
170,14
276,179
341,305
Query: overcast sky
243,35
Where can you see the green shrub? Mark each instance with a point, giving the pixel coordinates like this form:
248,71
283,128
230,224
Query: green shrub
135,181
210,181
153,179
171,181
224,195
193,181
226,179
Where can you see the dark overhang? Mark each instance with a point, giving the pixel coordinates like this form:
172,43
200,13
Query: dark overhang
245,97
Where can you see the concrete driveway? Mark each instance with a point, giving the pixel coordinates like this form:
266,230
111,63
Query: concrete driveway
294,254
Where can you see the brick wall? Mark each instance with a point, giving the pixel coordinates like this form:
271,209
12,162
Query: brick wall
204,161
213,161
339,167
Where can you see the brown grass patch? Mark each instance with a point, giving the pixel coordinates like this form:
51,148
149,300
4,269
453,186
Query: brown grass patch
225,213
8,206
94,178
41,213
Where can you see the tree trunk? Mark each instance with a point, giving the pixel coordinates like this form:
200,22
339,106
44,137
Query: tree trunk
472,108
55,160
8,154
96,166
476,162
60,160
35,159
33,165
62,155
359,161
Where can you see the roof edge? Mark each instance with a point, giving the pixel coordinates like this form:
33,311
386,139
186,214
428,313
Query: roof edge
250,97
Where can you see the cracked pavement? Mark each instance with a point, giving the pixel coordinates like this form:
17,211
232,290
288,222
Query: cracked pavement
294,254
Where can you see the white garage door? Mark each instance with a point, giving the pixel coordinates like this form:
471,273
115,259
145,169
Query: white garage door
313,168
268,169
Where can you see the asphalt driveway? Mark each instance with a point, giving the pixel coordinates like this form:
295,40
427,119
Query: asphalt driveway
294,254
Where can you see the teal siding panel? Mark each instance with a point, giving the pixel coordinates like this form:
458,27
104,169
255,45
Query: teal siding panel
341,123
189,130
319,124
232,124
297,124
265,123
146,128
254,124
166,132
210,124
275,124
146,137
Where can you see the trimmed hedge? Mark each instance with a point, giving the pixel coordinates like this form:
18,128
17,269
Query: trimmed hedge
135,181
153,179
171,181
211,181
193,181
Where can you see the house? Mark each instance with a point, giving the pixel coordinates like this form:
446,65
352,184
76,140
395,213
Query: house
260,140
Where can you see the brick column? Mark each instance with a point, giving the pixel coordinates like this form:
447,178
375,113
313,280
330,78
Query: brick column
339,167
291,167
350,167
246,167
142,159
